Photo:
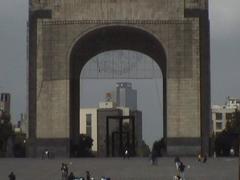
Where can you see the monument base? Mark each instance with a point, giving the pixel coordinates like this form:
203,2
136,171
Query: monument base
183,146
56,147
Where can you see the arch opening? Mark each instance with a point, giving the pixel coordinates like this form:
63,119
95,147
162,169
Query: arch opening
106,39
123,83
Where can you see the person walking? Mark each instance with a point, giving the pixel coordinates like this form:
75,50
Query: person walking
199,157
204,159
71,176
181,170
126,154
154,157
64,170
12,176
88,177
177,164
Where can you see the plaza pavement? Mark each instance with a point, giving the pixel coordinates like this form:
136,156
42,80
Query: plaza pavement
119,169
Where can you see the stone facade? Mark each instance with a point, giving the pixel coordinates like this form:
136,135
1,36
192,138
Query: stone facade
65,34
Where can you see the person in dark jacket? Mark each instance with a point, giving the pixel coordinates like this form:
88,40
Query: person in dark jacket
12,176
71,176
177,163
64,170
88,177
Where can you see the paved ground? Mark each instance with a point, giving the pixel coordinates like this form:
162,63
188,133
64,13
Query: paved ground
119,169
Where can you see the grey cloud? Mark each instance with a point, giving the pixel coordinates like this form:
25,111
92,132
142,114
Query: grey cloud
224,16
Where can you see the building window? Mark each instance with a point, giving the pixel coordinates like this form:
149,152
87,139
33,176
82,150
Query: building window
89,125
218,116
229,116
218,126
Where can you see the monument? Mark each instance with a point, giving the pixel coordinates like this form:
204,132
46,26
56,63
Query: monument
65,34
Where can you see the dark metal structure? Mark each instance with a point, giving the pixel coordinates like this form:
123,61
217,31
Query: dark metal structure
121,132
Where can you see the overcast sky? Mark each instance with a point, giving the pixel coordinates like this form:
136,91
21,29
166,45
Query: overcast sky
225,49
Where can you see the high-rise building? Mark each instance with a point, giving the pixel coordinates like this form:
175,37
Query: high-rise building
5,99
126,96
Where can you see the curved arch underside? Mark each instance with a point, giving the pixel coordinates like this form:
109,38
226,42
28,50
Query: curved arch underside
115,38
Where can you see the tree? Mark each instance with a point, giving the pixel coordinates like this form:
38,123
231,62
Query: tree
83,148
144,150
19,147
5,130
223,143
159,147
228,138
236,122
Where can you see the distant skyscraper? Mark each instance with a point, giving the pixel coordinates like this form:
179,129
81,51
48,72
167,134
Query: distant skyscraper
24,123
5,102
126,96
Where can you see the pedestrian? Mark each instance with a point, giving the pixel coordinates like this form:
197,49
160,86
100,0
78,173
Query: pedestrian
126,154
154,158
71,176
232,152
88,177
204,159
199,157
181,170
177,163
64,170
12,176
214,155
45,154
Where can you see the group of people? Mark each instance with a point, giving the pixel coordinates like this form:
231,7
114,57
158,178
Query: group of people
71,176
180,166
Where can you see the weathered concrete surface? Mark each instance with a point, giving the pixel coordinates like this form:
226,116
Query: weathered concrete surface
119,169
118,9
